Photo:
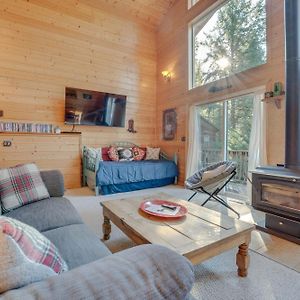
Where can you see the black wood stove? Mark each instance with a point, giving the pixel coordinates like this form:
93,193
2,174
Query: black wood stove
276,190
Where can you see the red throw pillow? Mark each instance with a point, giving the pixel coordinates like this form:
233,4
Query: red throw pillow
104,152
138,153
113,153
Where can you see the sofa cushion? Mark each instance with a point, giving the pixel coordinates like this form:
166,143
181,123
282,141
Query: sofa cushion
77,244
21,185
149,272
54,181
34,246
47,214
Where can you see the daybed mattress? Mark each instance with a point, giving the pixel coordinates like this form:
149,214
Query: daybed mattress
116,177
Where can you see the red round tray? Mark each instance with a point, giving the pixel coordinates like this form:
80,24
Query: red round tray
183,210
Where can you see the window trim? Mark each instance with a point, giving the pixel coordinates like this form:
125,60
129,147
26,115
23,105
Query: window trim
191,39
191,3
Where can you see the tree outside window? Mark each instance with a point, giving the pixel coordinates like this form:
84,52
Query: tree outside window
232,40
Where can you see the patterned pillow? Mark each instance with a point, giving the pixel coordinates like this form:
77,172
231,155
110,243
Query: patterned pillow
138,153
36,247
105,156
16,270
91,155
152,153
125,154
20,185
113,153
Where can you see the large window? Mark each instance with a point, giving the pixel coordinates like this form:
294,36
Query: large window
225,129
229,39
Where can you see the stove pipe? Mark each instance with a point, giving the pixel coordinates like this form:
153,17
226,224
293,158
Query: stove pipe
292,36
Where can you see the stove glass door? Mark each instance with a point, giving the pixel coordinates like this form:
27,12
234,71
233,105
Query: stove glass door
281,196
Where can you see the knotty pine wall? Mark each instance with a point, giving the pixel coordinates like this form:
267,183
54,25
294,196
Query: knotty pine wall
48,151
172,43
46,45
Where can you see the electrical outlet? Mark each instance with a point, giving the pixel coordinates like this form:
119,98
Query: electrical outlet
7,143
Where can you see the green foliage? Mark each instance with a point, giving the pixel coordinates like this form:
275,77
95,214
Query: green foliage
239,117
237,34
240,113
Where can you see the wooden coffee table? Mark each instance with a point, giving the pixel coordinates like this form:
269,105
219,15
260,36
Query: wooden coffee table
200,235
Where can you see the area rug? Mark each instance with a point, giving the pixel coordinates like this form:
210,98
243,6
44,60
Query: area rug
215,278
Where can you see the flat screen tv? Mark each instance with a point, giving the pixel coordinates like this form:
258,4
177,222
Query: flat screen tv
84,107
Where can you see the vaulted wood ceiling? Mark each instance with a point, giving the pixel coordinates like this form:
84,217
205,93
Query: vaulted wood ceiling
150,12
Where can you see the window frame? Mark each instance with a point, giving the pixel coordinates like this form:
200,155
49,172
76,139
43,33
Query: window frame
191,3
191,42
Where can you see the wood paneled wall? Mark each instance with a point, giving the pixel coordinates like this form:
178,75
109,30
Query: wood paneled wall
173,55
46,45
48,151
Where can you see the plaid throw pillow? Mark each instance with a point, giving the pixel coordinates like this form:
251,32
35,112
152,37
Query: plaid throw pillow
21,185
35,246
16,270
138,153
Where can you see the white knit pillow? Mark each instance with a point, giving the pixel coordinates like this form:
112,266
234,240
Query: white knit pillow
152,153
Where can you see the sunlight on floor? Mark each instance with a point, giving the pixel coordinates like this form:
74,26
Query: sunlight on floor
280,250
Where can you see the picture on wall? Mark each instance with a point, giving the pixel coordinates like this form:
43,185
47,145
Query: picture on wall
169,124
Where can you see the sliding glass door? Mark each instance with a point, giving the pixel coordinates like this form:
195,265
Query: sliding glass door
225,134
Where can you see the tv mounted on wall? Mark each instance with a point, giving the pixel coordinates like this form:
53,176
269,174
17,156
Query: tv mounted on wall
84,107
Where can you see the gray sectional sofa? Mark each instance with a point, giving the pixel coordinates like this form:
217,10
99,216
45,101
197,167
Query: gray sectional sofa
142,272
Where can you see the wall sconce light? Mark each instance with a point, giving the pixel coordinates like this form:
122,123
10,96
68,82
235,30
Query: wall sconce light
166,75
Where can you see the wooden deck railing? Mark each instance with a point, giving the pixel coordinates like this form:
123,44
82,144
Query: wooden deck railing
209,156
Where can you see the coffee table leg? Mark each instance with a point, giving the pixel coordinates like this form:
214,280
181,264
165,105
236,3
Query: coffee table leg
242,260
106,227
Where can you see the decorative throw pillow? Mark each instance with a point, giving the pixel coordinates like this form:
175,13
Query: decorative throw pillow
125,154
16,270
91,156
33,245
113,153
138,153
20,185
105,156
152,153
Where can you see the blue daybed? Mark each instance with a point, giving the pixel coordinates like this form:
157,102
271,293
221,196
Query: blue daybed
110,177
